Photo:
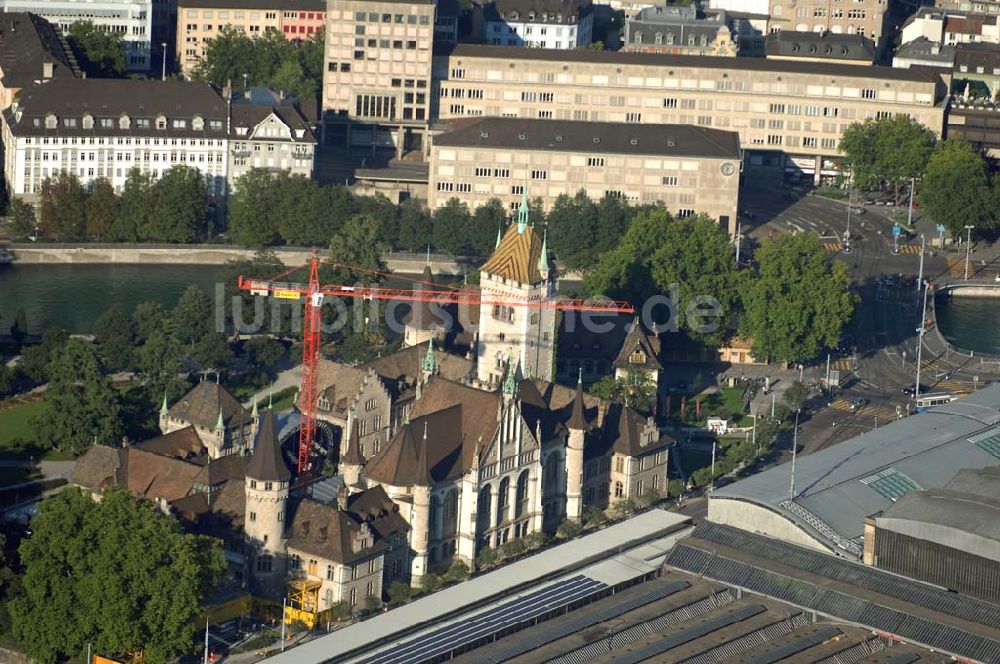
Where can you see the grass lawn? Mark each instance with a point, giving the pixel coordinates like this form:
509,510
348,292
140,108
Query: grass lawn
727,403
17,438
283,399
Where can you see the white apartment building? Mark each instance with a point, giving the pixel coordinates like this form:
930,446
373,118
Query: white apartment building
132,19
559,24
949,27
106,127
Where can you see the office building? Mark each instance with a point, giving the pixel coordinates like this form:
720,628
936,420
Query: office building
679,30
689,169
820,47
558,24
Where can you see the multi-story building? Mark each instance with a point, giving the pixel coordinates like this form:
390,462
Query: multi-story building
690,169
107,127
949,27
131,19
980,6
555,24
377,79
269,131
679,30
199,21
866,17
30,51
820,47
788,114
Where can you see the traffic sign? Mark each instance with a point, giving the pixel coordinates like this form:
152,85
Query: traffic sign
940,228
896,230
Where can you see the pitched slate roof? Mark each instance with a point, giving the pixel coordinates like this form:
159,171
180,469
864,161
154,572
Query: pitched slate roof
27,41
325,531
247,113
410,460
624,429
201,406
424,314
517,256
578,414
374,507
216,471
405,363
353,454
267,462
181,444
639,340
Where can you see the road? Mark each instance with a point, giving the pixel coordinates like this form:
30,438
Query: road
882,358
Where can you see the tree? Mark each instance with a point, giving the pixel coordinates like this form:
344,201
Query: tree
886,150
357,244
62,213
159,362
635,390
568,529
696,255
213,352
301,222
252,205
572,225
180,211
453,228
484,224
264,353
264,265
799,302
35,360
22,219
796,395
430,582
135,207
416,226
399,593
117,574
957,190
114,334
192,316
611,222
149,318
457,571
625,272
594,517
101,53
486,558
79,406
19,328
101,209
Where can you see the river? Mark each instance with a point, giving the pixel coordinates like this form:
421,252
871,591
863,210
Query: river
74,296
970,323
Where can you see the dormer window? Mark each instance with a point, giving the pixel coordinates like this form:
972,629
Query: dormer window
161,122
69,122
124,122
198,123
142,123
50,121
637,357
513,16
88,121
531,16
178,124
215,125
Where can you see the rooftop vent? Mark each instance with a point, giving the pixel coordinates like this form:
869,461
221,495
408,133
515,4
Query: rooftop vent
484,134
559,138
597,139
521,137
634,141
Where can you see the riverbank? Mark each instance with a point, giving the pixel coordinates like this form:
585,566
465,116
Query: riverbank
203,254
960,290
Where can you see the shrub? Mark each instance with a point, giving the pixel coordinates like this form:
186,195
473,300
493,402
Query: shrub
458,571
486,558
568,529
594,517
399,593
430,582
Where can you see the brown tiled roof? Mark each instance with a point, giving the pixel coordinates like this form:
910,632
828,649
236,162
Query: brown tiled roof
638,339
156,477
181,444
339,383
223,469
267,462
623,430
324,531
27,41
405,363
229,501
201,406
549,406
578,413
99,468
374,507
517,256
249,114
404,460
353,454
479,412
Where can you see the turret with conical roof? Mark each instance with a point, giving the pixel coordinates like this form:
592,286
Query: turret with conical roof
267,463
577,425
352,464
266,486
523,211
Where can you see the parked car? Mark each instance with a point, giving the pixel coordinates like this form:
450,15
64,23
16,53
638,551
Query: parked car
854,209
910,390
859,402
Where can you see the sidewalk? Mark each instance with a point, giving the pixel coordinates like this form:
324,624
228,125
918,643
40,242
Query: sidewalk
287,378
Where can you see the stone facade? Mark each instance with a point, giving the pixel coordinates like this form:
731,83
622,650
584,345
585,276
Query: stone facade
788,114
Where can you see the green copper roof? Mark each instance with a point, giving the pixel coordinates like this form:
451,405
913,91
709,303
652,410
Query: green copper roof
220,424
543,258
429,363
510,381
163,408
522,211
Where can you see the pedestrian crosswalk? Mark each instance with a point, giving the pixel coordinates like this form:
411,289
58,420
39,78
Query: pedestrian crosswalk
843,364
883,414
952,386
956,267
909,249
833,247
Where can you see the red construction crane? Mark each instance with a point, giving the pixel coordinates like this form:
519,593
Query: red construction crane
314,292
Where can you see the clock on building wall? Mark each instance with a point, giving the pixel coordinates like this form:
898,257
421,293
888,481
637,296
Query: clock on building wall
728,169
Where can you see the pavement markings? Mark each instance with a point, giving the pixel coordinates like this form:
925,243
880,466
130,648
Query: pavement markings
953,386
833,247
909,249
865,411
956,267
844,364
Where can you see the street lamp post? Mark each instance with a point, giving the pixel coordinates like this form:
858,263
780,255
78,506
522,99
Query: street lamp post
795,445
909,214
163,74
968,248
920,275
920,343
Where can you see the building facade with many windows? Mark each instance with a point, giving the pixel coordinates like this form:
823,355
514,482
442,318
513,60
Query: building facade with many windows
689,169
376,84
106,127
199,21
132,20
558,24
788,114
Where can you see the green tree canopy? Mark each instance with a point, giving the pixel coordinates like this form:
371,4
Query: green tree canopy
484,224
180,212
101,53
114,334
799,302
957,188
416,226
117,574
886,150
62,208
102,209
136,206
572,226
193,316
452,228
80,406
21,217
252,218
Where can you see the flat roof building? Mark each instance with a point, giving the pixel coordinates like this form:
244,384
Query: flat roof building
690,169
837,488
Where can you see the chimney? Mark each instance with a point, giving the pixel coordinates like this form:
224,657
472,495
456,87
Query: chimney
935,48
48,69
602,410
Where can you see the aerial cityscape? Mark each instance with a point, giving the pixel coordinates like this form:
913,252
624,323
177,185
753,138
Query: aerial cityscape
527,331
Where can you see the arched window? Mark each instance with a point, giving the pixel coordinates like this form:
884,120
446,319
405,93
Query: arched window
638,488
552,467
434,526
124,122
521,506
50,121
483,510
503,500
450,513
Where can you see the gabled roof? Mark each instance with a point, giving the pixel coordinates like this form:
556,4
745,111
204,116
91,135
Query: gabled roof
266,462
27,42
180,443
630,433
223,469
201,406
99,468
156,477
325,531
639,340
250,112
375,507
411,460
405,364
517,256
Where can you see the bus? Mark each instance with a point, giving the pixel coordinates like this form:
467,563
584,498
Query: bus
930,400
